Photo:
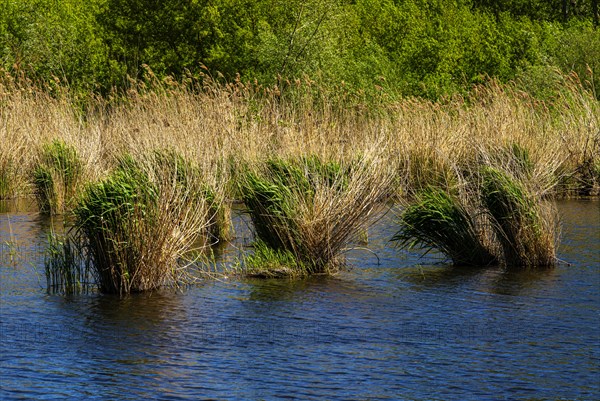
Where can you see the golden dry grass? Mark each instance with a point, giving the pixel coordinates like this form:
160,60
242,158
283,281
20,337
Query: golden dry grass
220,126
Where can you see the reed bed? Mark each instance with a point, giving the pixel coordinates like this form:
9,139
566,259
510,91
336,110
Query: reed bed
226,129
220,126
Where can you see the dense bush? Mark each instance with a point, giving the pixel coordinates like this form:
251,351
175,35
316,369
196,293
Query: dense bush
405,47
50,40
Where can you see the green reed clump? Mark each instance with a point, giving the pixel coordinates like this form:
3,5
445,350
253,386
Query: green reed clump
309,208
499,214
266,262
67,269
439,220
109,216
139,224
56,177
523,224
273,198
268,197
331,172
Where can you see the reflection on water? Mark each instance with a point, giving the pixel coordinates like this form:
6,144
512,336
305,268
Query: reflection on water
581,236
492,279
408,328
20,205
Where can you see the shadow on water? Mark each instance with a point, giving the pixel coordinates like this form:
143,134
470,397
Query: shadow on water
580,239
283,290
123,342
110,325
491,280
435,276
516,283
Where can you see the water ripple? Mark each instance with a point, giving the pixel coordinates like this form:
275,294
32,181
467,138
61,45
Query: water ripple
405,329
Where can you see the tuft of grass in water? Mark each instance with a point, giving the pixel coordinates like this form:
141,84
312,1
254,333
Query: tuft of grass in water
107,217
274,198
140,222
269,200
439,220
56,177
309,208
67,269
524,226
266,262
497,213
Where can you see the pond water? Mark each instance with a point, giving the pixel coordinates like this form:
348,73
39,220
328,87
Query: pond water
404,328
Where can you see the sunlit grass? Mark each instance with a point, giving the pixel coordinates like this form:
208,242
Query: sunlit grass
56,177
439,220
310,209
524,224
139,223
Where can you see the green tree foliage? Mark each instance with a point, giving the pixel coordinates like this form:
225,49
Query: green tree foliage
49,40
397,47
169,36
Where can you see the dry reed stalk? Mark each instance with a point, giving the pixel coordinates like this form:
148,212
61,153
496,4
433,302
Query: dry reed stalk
213,122
31,117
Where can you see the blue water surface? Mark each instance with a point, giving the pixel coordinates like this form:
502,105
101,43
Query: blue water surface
394,326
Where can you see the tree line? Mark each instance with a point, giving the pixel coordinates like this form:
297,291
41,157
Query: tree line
428,48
